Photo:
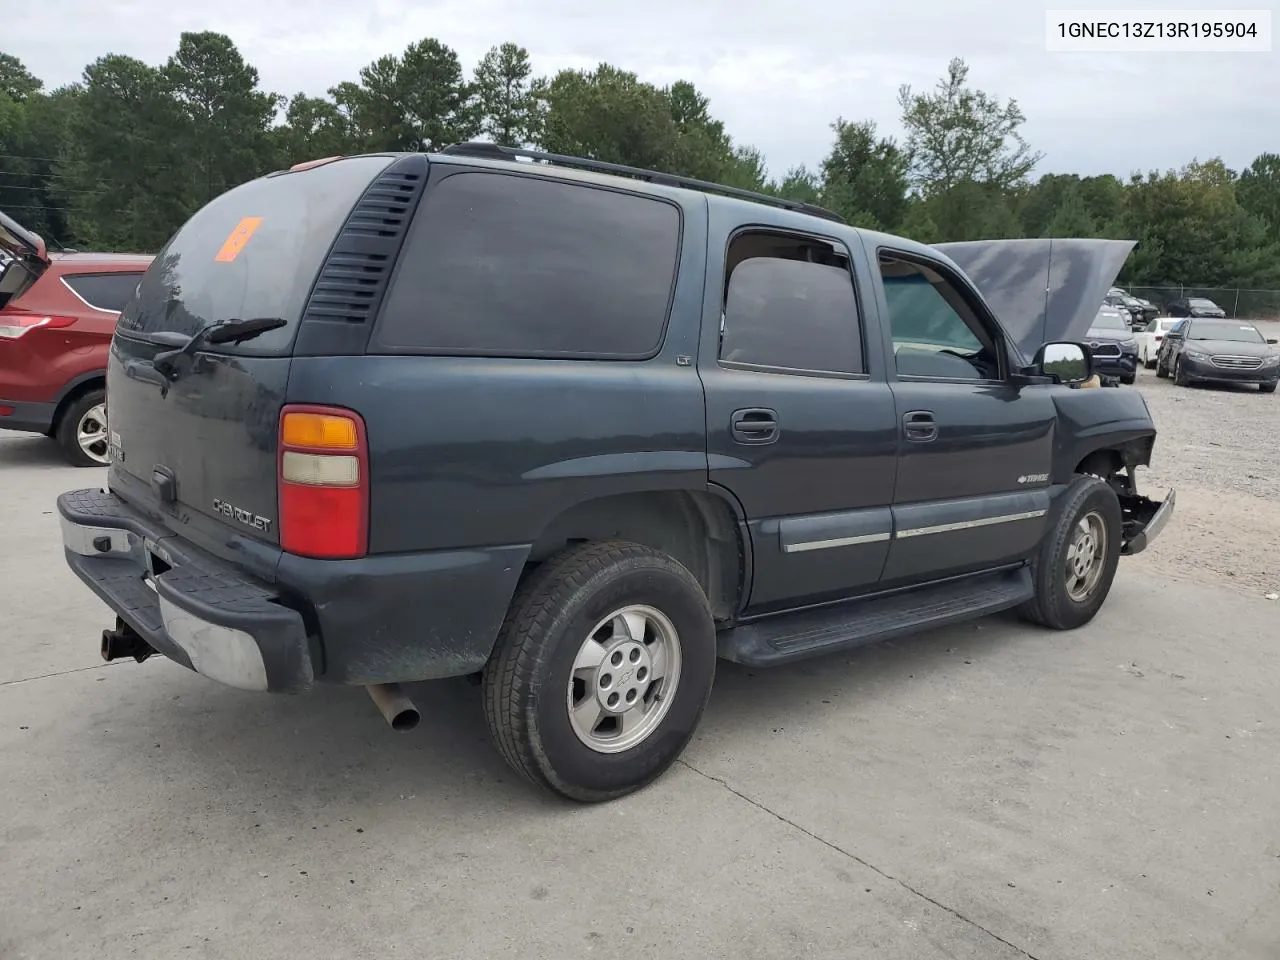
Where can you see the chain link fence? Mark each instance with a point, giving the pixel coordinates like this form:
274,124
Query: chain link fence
1238,302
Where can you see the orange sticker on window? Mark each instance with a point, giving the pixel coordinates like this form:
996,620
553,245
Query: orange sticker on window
237,239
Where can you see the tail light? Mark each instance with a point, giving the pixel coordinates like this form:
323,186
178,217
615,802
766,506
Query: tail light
324,482
15,325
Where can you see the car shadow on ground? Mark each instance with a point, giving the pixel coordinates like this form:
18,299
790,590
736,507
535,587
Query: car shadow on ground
31,450
332,750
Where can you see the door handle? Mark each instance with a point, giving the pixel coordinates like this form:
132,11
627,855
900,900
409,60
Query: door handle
919,425
754,425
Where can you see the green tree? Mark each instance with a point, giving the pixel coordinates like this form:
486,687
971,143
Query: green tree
314,128
1258,191
864,177
918,225
800,184
747,170
121,177
506,100
957,134
608,114
418,100
1071,218
16,81
1203,234
224,134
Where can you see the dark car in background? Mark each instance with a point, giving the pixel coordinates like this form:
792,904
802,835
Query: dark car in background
57,314
1112,343
1195,307
1213,350
1140,311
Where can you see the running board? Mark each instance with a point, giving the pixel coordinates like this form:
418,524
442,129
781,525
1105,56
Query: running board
799,636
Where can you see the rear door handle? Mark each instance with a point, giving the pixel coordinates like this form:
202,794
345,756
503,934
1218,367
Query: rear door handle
754,425
919,425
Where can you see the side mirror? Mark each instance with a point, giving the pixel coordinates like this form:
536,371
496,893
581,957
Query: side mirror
1064,362
1272,340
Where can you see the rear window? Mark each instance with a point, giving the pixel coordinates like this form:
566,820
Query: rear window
254,251
104,291
509,265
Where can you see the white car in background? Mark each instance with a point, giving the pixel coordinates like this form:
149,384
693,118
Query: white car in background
1151,336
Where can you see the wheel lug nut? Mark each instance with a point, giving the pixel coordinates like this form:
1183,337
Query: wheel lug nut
616,659
605,681
635,654
631,696
642,673
613,699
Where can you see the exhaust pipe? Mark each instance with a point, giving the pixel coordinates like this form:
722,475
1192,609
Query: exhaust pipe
397,709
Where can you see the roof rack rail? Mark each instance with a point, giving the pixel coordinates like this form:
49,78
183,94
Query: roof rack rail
496,151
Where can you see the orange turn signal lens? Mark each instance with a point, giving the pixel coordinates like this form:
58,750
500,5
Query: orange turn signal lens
318,431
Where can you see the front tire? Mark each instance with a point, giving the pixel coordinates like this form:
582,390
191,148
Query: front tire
1267,387
1078,558
1179,374
601,670
82,431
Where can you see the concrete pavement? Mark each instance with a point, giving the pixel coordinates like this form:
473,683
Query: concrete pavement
991,791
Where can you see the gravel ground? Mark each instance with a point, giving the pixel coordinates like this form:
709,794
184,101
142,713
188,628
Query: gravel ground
1220,448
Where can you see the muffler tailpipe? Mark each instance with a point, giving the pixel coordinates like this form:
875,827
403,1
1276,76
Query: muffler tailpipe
397,709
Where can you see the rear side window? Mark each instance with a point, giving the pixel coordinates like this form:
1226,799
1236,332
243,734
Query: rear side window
516,266
254,251
792,315
104,291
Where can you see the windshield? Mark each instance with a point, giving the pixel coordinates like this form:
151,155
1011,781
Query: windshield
1223,330
1109,320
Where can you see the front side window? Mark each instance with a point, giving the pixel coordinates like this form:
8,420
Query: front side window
520,266
936,333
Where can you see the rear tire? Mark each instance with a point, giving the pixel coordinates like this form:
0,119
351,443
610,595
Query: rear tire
82,430
551,685
1078,558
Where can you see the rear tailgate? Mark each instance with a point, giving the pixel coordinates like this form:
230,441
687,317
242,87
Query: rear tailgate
199,452
23,258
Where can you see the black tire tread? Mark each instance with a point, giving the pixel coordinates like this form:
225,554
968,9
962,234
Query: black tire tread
509,674
1038,610
64,431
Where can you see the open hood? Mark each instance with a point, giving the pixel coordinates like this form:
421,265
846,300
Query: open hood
1041,290
23,258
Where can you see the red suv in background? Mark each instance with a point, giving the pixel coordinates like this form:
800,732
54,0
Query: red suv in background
57,314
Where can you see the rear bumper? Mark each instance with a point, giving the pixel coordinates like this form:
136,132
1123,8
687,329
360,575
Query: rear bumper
186,604
381,619
26,416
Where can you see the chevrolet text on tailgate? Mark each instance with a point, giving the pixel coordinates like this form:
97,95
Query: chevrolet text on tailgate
580,431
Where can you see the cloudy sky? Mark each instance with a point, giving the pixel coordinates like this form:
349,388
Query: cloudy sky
776,74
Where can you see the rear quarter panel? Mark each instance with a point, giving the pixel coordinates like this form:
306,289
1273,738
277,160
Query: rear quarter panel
471,452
